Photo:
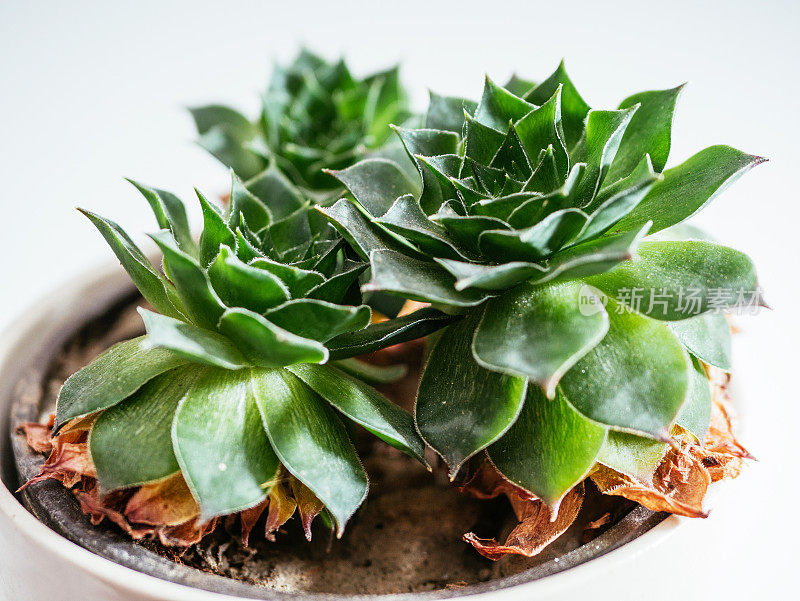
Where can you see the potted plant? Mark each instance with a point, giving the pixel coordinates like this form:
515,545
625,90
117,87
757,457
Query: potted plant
527,225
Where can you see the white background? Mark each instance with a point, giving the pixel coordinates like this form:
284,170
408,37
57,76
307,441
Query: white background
91,92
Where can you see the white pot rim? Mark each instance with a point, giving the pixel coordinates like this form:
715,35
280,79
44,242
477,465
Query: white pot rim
48,314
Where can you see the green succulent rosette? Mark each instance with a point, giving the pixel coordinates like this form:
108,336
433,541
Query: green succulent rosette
246,368
532,217
316,115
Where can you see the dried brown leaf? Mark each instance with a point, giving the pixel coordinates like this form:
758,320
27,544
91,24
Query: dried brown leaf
281,508
537,529
678,485
248,519
168,502
308,505
37,436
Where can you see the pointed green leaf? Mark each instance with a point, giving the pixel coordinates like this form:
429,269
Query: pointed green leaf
242,285
170,215
112,377
276,192
246,206
679,280
201,304
539,332
537,241
318,320
598,147
334,288
265,344
549,449
290,233
406,218
541,129
227,146
221,446
131,442
311,442
518,86
154,287
490,277
418,280
612,209
707,337
649,132
215,115
635,379
590,258
689,187
466,230
573,108
387,333
365,406
499,106
461,407
481,141
298,281
375,184
358,229
511,157
190,342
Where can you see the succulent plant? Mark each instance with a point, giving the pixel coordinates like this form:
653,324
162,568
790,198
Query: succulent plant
583,336
246,370
316,115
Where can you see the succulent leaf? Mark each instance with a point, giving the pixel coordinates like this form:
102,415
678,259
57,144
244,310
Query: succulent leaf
677,280
190,342
538,332
132,363
689,187
632,455
649,132
311,441
267,344
573,108
363,405
373,181
418,280
387,333
636,379
695,414
451,411
312,318
154,287
549,449
220,444
707,337
170,215
131,442
201,303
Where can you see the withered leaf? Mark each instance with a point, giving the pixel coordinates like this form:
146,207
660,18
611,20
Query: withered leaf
537,529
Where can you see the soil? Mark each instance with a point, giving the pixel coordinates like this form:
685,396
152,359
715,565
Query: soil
405,538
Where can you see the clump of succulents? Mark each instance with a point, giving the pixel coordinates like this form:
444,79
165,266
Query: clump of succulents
584,340
244,379
316,115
